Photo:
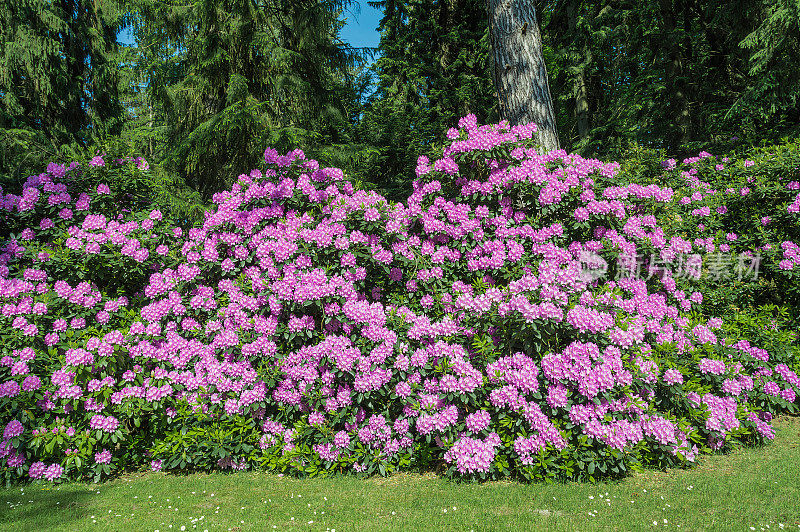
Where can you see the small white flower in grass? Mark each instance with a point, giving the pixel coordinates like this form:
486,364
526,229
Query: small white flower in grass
591,497
655,523
183,527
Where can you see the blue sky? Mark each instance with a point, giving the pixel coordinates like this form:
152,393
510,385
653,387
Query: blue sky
361,27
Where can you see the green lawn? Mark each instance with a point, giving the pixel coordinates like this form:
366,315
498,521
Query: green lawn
750,489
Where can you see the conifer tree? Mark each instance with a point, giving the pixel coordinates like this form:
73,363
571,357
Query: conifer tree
58,74
235,76
434,67
681,75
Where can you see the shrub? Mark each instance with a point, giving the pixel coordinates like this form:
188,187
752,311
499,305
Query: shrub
741,212
308,327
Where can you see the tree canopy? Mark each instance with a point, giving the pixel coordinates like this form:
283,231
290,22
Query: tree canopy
207,85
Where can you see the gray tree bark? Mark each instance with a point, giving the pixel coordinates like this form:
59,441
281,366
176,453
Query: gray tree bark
519,70
579,81
675,73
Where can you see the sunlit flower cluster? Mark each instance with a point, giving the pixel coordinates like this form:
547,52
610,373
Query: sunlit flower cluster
329,328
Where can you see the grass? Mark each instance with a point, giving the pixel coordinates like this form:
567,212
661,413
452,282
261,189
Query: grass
748,489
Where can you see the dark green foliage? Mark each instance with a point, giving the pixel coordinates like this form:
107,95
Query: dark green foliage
435,67
678,75
774,46
761,305
682,75
224,80
58,74
196,441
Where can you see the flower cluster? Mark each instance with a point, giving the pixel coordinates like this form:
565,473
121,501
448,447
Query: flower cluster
324,328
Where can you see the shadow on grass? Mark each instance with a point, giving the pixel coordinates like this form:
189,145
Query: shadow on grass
49,509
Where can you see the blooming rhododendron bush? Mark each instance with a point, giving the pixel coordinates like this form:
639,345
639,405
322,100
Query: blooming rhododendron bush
308,327
743,215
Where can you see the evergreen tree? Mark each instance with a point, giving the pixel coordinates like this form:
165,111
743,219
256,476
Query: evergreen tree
57,68
674,74
232,77
773,94
58,74
434,67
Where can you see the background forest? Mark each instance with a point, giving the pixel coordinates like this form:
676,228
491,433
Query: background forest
207,85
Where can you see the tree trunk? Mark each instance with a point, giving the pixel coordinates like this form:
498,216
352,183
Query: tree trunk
579,81
446,10
675,75
150,127
582,103
519,70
